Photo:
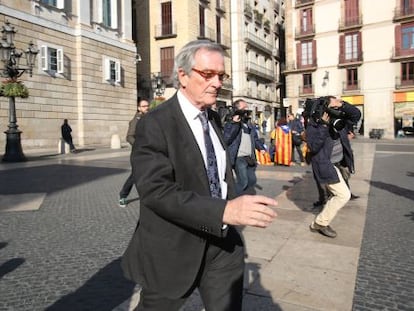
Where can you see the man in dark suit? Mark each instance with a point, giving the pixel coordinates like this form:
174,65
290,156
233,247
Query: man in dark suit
185,238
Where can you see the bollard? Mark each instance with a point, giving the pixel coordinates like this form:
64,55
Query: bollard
115,142
63,147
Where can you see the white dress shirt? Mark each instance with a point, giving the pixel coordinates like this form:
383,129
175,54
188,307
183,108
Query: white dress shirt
191,114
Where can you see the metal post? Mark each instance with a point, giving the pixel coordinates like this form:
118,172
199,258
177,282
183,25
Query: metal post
14,151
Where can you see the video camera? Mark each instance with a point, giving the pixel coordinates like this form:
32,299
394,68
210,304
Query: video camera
316,107
245,115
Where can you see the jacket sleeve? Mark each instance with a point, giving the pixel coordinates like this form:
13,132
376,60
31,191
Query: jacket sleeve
131,131
231,129
353,114
257,143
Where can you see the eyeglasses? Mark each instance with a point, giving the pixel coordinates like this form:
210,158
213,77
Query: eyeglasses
210,74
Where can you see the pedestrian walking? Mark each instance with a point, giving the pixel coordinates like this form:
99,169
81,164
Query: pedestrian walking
142,108
185,238
331,154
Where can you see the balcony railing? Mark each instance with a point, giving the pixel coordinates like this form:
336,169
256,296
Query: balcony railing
399,53
301,3
306,90
303,33
350,22
260,71
346,60
165,30
350,88
404,84
403,13
311,63
258,42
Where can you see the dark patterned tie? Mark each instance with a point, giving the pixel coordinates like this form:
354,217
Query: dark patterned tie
212,170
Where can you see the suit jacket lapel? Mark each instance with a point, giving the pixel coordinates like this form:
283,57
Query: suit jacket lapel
188,142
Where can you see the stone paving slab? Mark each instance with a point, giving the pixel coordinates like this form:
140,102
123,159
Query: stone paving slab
21,202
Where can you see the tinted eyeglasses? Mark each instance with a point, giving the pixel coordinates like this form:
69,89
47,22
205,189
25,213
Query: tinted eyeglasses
210,74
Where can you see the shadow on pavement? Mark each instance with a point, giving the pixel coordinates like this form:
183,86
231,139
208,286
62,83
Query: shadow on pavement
403,192
104,291
50,178
10,265
257,298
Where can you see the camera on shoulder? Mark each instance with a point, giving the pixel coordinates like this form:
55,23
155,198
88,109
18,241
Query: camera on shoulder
316,107
245,115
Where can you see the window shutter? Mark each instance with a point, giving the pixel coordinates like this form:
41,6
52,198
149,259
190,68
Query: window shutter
114,14
341,49
99,11
44,57
117,72
398,46
359,45
314,62
60,4
59,56
298,55
107,69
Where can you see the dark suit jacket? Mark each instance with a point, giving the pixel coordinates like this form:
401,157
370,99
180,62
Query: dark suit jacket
177,214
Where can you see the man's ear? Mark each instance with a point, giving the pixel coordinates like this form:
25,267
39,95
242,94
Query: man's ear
182,77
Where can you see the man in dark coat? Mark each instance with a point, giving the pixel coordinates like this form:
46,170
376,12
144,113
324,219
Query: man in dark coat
66,131
332,156
185,238
143,107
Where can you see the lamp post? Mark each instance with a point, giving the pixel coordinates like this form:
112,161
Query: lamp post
12,70
158,84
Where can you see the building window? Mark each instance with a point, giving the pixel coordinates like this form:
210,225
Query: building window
51,59
307,83
60,4
351,46
407,73
407,36
108,11
307,55
167,64
306,21
307,80
166,18
352,78
112,70
351,12
218,29
407,6
201,12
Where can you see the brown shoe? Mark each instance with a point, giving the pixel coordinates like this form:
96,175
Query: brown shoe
324,230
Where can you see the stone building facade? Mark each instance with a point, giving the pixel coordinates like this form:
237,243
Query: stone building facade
85,70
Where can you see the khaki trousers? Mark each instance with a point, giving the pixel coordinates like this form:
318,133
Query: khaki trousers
340,196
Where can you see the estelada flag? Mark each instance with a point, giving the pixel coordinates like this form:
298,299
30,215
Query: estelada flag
283,144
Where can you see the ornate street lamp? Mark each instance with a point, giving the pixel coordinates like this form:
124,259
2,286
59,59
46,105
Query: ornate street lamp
158,84
12,88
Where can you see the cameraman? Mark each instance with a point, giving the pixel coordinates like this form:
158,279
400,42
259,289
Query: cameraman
331,153
242,140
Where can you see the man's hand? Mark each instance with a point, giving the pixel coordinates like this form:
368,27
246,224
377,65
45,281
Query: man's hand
236,118
250,210
325,118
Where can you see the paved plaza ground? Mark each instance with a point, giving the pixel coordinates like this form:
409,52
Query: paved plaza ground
62,235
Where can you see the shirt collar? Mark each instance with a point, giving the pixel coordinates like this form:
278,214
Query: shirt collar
190,111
